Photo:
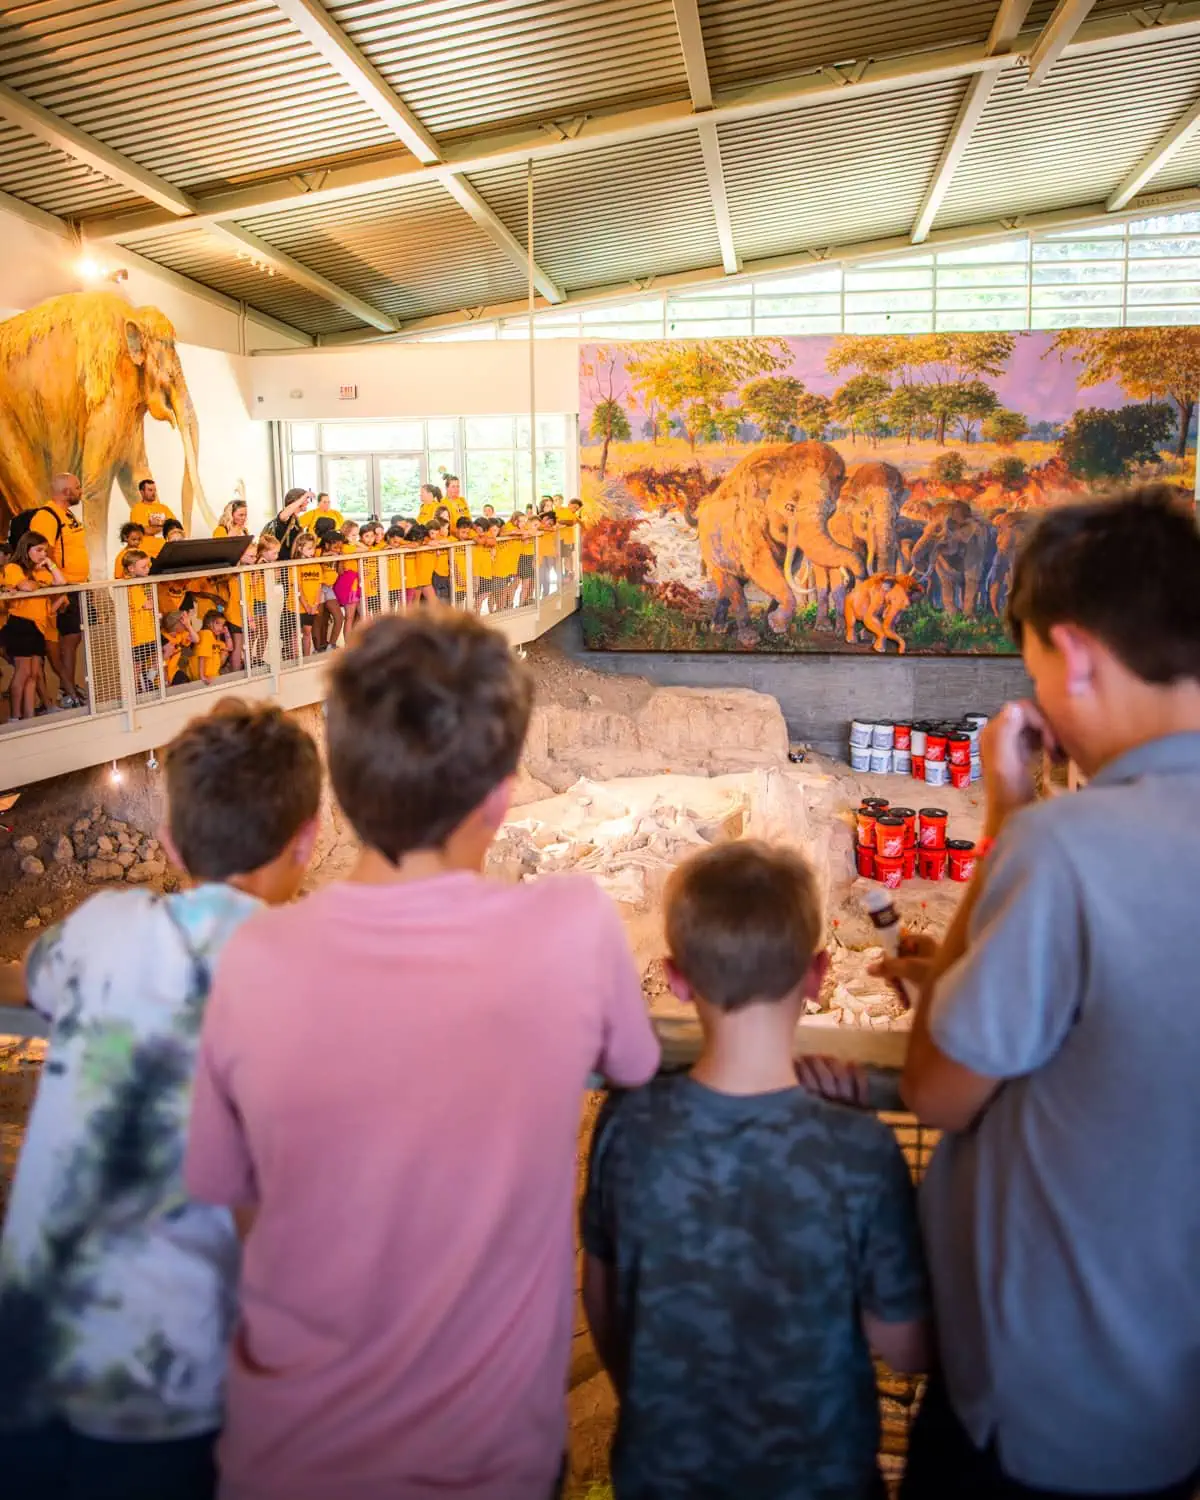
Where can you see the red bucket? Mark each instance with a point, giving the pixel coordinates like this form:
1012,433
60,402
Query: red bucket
909,863
935,747
865,858
960,776
931,864
910,825
864,824
889,872
889,837
960,751
933,828
902,737
918,767
962,859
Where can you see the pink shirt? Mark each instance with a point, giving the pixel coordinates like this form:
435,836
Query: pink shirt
393,1075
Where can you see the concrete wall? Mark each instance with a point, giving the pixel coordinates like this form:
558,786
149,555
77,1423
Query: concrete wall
819,695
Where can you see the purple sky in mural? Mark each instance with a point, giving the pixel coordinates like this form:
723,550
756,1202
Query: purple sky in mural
1038,383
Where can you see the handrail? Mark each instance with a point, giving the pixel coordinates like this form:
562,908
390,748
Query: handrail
134,697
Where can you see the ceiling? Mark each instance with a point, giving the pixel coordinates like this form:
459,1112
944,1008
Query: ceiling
361,168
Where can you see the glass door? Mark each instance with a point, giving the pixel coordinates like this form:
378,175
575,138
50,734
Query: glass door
348,481
398,481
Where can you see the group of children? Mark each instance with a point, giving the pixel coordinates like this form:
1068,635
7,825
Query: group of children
201,622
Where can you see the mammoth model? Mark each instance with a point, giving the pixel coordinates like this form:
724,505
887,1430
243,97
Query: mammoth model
78,374
956,548
771,510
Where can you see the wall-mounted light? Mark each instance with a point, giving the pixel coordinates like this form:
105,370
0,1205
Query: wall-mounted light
115,774
93,272
152,762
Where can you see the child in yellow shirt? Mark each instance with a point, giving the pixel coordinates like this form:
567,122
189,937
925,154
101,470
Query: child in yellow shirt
212,649
30,568
229,587
143,618
440,570
370,539
304,593
179,635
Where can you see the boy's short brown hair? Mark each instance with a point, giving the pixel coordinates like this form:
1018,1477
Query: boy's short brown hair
241,783
1126,568
744,922
426,714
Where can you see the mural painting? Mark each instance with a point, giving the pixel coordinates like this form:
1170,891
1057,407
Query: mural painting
78,376
855,493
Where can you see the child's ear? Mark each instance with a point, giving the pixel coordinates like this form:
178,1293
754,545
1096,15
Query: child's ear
815,977
494,808
677,984
168,843
305,842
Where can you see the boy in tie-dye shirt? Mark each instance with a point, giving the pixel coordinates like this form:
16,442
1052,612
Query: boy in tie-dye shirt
117,1292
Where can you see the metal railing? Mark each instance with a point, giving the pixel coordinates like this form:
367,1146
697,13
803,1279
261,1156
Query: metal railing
126,664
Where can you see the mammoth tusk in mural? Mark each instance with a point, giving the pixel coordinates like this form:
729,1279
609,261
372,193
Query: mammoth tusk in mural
78,376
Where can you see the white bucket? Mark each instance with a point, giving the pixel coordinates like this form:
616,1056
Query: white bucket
881,761
918,741
860,757
976,769
882,736
861,732
978,720
937,773
902,762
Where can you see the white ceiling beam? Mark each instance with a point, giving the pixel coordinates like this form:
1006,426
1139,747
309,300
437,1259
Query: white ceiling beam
695,59
1007,26
322,32
466,197
1157,157
1059,32
56,132
994,231
695,65
714,170
1110,32
302,275
970,112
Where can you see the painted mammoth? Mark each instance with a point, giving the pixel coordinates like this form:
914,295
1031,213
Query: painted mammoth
876,603
1013,530
865,520
915,515
770,510
956,548
78,375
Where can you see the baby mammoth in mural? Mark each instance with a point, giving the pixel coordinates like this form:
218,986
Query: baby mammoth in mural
770,511
956,547
78,374
876,603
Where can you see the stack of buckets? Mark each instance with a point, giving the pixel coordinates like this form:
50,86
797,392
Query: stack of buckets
937,754
894,844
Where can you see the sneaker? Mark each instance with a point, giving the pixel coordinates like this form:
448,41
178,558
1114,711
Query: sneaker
65,700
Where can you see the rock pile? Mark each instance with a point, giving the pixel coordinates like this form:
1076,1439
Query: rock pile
103,848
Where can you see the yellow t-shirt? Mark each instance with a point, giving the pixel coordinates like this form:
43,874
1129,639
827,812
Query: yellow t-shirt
307,577
152,545
441,562
547,544
143,514
484,560
231,594
508,550
310,518
143,617
207,655
67,539
21,606
225,531
171,594
418,570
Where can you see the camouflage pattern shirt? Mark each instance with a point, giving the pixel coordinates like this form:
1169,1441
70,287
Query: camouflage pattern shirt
117,1293
748,1235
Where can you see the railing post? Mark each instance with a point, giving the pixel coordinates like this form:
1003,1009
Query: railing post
276,598
87,610
125,656
403,586
469,575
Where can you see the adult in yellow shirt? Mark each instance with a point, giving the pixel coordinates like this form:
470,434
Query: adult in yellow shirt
233,520
324,507
455,501
59,523
149,512
229,587
431,500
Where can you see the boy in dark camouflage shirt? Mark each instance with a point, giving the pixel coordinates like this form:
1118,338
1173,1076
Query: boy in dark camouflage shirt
748,1243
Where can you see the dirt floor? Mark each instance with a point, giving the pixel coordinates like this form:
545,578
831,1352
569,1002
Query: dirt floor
66,821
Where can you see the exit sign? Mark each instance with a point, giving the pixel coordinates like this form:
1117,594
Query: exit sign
347,393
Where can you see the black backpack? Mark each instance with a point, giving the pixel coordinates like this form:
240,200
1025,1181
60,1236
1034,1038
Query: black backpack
20,524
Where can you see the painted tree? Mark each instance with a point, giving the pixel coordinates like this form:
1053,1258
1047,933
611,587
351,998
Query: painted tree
976,402
862,404
773,401
696,380
610,424
910,409
948,366
1004,427
1148,363
610,421
813,415
1099,443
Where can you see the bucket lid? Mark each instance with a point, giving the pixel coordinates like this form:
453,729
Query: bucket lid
865,807
904,812
876,802
890,820
934,812
963,846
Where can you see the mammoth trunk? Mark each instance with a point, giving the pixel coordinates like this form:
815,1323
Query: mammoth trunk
192,492
818,548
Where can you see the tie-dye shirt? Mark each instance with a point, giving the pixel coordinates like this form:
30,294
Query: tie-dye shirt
116,1292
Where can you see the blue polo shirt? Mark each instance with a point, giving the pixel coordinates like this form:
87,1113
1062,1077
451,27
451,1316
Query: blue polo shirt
1063,1229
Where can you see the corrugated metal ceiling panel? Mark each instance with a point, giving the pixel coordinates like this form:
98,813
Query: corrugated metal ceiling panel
1041,10
412,253
214,264
1074,138
750,39
203,92
612,215
39,174
837,173
464,67
1182,171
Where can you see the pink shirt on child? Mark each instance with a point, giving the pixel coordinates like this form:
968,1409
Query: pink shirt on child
394,1075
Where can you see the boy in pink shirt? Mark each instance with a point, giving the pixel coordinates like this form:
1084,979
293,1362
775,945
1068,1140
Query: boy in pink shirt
390,1082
